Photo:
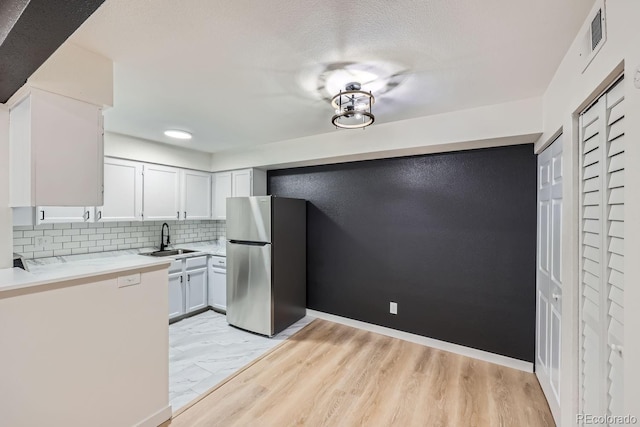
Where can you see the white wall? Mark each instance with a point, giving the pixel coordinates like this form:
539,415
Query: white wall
6,230
568,93
517,122
86,353
74,72
129,147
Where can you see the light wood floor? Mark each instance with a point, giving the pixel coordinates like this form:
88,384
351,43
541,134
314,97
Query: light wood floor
333,375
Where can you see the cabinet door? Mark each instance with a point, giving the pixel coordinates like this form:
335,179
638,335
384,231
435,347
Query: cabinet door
221,190
176,295
196,289
67,144
218,296
53,214
241,183
196,195
122,191
161,194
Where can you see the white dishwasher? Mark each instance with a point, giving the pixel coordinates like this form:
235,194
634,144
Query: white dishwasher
218,283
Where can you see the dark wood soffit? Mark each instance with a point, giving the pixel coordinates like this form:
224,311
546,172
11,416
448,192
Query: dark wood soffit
41,29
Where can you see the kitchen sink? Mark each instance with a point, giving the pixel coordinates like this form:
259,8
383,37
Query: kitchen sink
172,252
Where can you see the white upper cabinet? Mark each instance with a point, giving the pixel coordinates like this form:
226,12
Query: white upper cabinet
122,191
56,149
161,193
57,214
241,183
238,183
196,195
221,190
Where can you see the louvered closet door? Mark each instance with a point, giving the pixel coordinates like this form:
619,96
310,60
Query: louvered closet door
602,257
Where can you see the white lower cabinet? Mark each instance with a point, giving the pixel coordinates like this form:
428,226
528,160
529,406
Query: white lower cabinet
187,286
218,283
196,289
176,295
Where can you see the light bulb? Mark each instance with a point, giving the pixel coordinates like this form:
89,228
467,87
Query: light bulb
358,116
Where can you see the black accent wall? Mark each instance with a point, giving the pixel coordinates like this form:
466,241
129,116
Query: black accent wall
450,237
42,27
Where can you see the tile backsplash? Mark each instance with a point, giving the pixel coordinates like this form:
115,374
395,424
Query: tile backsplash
81,238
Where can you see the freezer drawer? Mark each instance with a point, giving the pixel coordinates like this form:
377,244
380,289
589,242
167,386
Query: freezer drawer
249,296
249,219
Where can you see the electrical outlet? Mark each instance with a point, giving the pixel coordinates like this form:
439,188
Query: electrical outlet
41,242
393,307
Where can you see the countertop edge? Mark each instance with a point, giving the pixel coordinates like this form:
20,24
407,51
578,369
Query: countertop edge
16,278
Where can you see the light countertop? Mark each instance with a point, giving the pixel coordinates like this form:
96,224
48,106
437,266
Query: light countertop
16,278
44,271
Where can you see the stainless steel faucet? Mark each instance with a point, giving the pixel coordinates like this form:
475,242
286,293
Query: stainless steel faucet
162,244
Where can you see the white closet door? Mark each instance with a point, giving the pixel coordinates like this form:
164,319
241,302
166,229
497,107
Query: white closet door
548,283
615,245
602,257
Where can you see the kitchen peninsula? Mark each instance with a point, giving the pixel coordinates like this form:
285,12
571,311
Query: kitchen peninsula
93,335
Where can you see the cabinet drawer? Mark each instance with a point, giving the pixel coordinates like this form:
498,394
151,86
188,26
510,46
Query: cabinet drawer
196,262
219,261
176,266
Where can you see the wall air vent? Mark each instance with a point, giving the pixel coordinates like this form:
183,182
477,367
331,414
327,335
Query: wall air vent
596,30
593,34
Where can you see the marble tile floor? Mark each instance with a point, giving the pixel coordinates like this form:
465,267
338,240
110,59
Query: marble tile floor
204,350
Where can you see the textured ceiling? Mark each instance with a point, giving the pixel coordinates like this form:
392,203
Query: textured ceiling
244,72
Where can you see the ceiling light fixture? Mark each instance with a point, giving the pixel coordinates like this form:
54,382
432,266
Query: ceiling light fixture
177,134
352,107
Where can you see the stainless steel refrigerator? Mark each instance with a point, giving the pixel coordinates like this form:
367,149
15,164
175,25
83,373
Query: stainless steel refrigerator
266,263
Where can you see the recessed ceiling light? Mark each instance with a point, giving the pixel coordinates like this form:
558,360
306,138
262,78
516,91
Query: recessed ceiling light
177,134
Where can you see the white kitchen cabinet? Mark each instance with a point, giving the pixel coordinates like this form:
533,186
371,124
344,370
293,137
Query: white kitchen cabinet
238,183
161,193
176,295
187,286
196,289
248,182
241,183
58,214
56,150
221,190
196,194
122,191
218,283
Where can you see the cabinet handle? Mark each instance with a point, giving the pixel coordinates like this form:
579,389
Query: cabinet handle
178,214
555,296
42,218
180,279
99,215
86,214
188,277
185,214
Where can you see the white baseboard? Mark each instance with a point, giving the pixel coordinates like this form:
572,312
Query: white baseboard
428,342
154,420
